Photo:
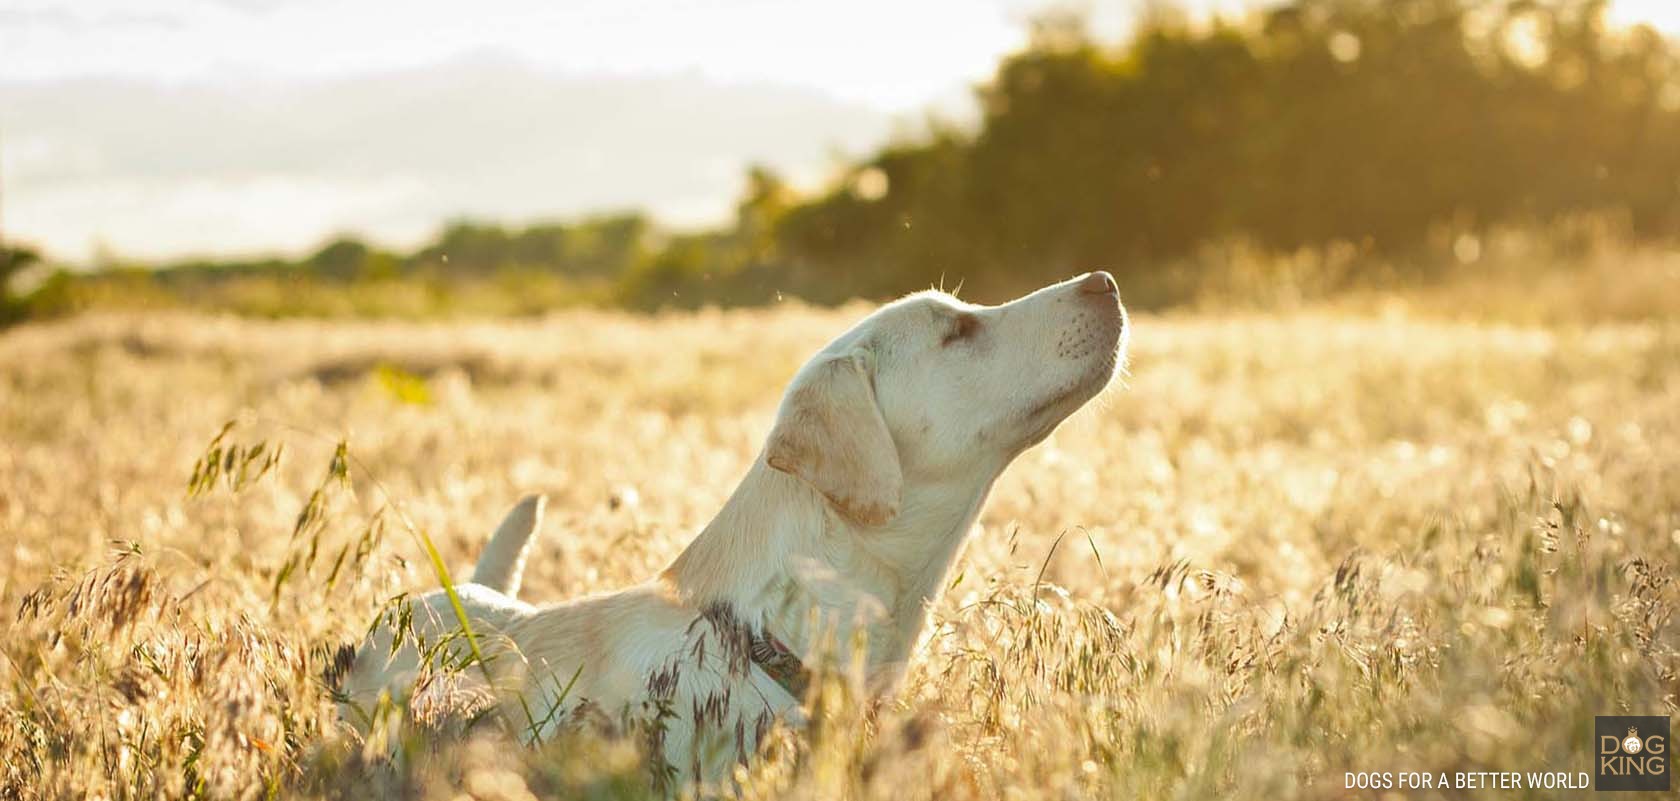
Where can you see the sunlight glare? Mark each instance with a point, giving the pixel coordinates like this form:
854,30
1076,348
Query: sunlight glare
1664,15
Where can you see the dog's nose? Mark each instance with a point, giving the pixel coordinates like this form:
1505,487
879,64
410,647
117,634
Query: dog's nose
1098,283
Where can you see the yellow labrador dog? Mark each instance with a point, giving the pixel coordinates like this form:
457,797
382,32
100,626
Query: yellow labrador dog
843,531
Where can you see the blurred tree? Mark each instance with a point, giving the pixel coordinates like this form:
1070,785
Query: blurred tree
341,259
45,297
13,260
595,247
1364,121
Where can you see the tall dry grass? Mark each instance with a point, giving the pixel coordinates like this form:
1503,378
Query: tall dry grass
1297,545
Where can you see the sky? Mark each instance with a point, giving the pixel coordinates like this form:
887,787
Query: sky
167,128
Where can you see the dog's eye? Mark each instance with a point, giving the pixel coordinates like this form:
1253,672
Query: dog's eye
963,327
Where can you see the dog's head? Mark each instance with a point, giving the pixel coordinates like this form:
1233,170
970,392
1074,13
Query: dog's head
933,389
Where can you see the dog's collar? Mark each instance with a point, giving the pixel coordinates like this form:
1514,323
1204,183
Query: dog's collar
761,648
779,663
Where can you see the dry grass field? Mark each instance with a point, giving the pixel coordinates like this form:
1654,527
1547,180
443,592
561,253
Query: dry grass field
1291,547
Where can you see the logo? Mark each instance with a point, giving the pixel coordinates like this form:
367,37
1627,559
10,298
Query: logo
1630,752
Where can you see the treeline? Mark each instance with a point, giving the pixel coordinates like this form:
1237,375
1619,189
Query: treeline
1368,124
593,248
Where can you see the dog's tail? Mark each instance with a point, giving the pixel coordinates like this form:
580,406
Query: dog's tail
502,564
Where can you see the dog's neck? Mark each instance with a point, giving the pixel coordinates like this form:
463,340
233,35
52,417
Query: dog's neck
779,554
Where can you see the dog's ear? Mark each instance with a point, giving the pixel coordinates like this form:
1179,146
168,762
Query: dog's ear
830,434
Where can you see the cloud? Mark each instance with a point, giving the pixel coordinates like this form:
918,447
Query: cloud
38,18
63,19
251,166
889,54
257,6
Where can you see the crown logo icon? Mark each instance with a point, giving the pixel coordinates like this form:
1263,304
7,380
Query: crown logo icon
1632,744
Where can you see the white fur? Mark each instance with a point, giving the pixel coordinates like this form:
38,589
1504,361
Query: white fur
843,530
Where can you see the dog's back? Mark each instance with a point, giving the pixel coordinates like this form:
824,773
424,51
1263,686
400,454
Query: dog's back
418,630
